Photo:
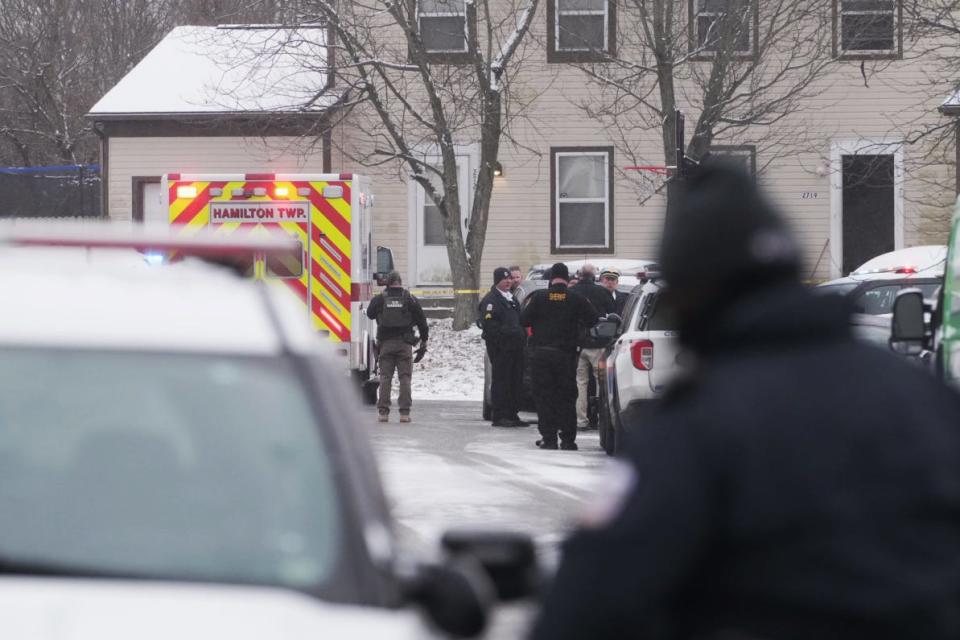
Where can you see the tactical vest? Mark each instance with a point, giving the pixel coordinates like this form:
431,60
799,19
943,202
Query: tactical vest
396,311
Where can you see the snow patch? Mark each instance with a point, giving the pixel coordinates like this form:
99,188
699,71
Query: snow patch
453,366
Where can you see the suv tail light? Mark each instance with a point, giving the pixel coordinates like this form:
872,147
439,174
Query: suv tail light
641,352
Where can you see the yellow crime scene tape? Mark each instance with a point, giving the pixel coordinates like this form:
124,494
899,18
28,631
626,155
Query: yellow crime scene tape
443,292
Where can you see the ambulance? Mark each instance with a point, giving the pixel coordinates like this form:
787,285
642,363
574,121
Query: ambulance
329,214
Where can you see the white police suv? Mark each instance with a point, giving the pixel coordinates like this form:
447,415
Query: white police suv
177,460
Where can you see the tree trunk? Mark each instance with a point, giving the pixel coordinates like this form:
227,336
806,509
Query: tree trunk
465,278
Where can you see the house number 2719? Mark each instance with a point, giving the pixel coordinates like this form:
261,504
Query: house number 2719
809,195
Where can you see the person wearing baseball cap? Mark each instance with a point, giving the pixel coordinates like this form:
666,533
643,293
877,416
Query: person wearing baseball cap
505,339
556,316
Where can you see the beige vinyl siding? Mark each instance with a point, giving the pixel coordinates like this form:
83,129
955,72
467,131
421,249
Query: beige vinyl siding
882,107
892,101
131,157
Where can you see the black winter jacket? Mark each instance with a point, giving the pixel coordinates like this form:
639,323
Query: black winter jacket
556,316
601,300
619,302
800,485
500,319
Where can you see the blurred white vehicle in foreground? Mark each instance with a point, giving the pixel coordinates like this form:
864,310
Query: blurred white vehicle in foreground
177,460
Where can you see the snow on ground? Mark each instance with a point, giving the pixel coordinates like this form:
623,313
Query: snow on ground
453,366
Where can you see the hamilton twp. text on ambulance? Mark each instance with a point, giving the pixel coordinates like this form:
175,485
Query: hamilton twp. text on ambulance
221,212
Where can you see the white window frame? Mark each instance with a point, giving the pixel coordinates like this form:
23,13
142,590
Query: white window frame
581,12
852,147
894,12
605,200
443,14
718,15
469,154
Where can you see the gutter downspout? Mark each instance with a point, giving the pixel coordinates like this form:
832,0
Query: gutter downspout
104,169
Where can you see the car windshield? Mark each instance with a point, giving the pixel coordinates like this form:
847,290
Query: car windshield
876,301
186,467
929,289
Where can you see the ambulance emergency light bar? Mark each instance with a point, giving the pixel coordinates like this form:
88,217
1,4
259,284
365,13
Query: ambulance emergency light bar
203,243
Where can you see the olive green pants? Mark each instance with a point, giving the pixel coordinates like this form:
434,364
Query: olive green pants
395,356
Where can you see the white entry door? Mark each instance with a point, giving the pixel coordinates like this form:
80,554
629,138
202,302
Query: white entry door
431,264
154,213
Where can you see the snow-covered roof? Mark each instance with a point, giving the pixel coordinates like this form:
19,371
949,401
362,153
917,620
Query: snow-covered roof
210,70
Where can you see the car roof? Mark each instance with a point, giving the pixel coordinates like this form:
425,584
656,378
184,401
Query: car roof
886,276
624,265
113,299
927,260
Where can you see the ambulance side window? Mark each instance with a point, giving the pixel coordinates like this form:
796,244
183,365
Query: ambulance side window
284,267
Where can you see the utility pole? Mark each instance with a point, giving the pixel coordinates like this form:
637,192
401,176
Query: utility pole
684,166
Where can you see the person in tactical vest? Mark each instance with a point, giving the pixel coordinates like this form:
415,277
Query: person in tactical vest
505,338
396,311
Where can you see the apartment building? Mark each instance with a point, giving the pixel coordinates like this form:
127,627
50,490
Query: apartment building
846,164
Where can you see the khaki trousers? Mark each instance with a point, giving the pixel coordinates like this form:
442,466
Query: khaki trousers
587,360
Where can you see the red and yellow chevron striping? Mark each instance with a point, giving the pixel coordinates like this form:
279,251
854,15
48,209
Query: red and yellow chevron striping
322,279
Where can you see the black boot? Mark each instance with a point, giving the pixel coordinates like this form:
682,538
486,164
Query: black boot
547,444
569,446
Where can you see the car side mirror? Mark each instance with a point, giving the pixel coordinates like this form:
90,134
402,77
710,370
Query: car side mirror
509,559
607,328
456,596
908,332
384,265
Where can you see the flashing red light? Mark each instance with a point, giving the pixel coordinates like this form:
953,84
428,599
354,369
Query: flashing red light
907,270
641,352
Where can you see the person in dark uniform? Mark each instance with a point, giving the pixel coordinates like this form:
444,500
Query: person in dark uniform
796,484
556,315
591,349
610,279
397,311
505,338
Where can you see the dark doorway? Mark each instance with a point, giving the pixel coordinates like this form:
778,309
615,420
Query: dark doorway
867,208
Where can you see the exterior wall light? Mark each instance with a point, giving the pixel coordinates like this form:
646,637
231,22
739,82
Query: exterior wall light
497,169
